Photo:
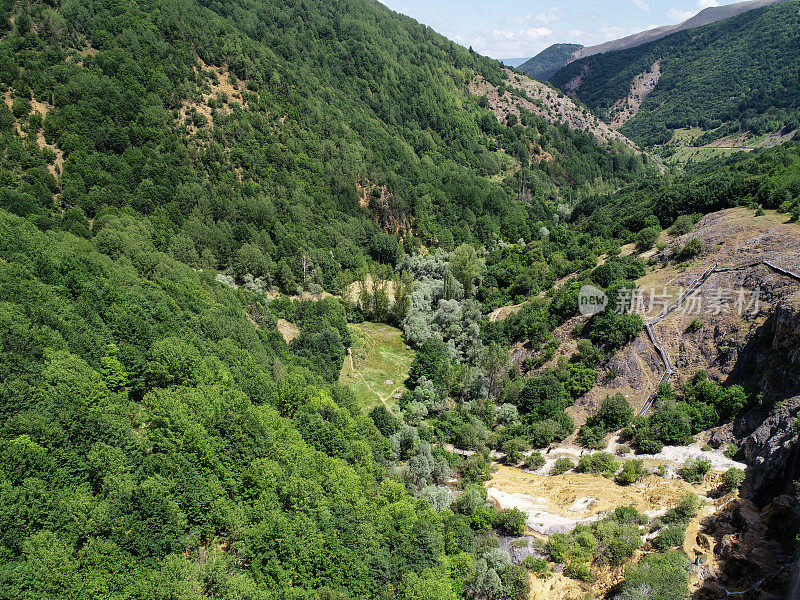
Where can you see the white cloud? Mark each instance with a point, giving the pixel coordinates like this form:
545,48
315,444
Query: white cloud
553,15
680,15
707,3
641,4
504,42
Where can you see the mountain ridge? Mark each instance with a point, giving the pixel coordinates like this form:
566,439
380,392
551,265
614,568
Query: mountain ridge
732,76
550,60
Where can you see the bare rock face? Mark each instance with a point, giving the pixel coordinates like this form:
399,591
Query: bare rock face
772,452
787,329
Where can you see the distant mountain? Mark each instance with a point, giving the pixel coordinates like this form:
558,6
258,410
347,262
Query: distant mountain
514,62
704,17
737,75
547,63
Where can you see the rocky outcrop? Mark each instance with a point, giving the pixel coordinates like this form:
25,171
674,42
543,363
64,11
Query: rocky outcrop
772,452
787,329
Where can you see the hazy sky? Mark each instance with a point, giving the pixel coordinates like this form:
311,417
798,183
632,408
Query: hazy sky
516,28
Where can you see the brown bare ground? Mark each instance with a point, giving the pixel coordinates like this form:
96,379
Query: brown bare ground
562,491
732,237
201,104
288,330
626,108
547,103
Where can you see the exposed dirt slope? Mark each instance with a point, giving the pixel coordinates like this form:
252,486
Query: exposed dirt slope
547,103
626,108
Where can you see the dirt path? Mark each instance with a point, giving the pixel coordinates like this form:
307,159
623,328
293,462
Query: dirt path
360,375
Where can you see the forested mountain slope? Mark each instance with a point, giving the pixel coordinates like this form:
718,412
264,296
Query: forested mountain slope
158,438
709,15
740,74
272,138
548,62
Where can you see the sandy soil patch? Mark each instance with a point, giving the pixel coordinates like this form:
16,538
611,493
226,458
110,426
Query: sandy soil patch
558,503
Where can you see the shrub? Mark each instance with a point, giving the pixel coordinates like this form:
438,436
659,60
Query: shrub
693,247
599,463
731,450
656,577
535,461
592,437
615,413
623,450
685,510
670,537
562,466
616,541
694,326
732,479
682,225
580,545
694,470
536,565
632,471
646,238
543,433
579,570
510,521
513,450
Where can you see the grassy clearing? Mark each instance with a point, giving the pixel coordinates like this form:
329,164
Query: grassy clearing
379,356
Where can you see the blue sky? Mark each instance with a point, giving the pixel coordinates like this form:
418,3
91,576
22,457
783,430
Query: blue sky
516,28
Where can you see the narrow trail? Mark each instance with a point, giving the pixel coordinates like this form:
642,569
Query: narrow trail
651,334
383,400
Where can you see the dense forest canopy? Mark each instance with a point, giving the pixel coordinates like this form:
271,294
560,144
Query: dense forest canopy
174,174
740,74
288,137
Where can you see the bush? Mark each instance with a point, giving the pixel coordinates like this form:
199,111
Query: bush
694,470
562,466
685,510
536,565
615,413
731,451
513,450
732,479
646,238
693,247
535,461
617,541
656,577
682,225
579,570
694,326
632,471
592,437
670,537
510,521
580,545
599,463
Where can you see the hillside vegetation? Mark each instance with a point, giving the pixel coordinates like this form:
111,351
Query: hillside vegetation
208,208
740,74
288,142
549,61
